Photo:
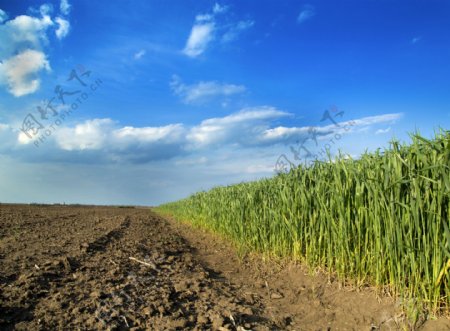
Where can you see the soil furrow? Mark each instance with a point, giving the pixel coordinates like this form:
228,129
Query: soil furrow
107,268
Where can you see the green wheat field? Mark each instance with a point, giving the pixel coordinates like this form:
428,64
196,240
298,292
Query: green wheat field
380,220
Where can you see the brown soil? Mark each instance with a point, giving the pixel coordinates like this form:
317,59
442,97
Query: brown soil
108,268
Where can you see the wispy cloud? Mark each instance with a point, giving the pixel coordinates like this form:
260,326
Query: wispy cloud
236,29
46,9
218,9
383,131
306,13
280,134
65,7
201,35
3,16
139,54
209,27
385,118
203,90
415,40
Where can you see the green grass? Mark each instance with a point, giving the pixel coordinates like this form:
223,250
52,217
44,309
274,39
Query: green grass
382,219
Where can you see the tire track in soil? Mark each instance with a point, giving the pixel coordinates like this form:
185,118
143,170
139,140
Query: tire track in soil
163,287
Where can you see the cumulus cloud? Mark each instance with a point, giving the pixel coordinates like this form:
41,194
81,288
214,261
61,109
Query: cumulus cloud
150,143
104,140
99,140
104,133
208,27
89,135
111,142
21,71
21,33
64,7
306,13
203,90
22,50
63,28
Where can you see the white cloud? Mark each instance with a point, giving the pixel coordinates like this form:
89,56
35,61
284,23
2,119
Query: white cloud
218,9
23,32
208,27
382,131
22,48
91,134
386,118
63,28
20,71
242,128
307,12
233,32
109,142
65,7
201,35
104,140
283,133
3,16
148,143
204,18
280,134
139,54
23,139
203,90
104,134
170,134
46,9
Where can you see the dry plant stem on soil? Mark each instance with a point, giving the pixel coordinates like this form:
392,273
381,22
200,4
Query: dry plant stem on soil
151,265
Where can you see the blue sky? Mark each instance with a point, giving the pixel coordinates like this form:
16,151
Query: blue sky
171,97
